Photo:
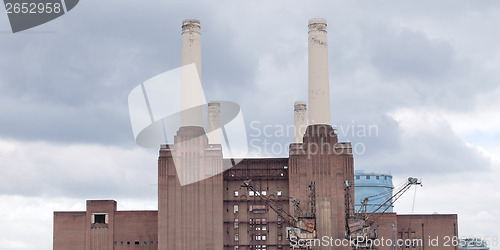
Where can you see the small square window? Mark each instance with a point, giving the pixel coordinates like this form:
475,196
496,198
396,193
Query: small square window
235,193
357,177
367,177
251,193
236,237
279,193
378,177
264,192
235,208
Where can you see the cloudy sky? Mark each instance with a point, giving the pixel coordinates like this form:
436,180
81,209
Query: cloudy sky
426,74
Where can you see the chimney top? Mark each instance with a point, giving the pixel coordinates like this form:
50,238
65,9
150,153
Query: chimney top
317,20
300,105
317,24
191,25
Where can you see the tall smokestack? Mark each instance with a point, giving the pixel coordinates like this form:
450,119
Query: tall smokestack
191,91
319,91
300,121
214,128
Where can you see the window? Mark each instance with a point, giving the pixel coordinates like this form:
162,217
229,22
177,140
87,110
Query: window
137,242
236,247
257,209
264,237
236,225
235,193
236,237
378,177
264,193
357,177
251,193
235,209
99,218
264,228
280,237
279,193
367,177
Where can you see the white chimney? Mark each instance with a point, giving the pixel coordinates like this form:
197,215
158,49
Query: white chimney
214,129
300,121
191,90
319,91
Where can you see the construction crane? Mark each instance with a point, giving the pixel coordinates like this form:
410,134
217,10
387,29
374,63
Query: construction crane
303,227
360,226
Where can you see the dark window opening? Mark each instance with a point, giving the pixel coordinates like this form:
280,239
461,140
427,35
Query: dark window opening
137,242
100,218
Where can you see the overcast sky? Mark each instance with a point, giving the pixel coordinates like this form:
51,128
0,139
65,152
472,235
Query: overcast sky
426,74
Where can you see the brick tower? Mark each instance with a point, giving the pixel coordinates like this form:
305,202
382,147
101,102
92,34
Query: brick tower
190,211
321,161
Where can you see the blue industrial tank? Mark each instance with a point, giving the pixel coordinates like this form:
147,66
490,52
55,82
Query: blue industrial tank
376,186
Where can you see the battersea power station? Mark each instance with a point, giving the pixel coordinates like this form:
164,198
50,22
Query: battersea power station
209,201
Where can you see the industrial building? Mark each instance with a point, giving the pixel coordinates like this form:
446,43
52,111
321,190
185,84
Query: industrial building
267,203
